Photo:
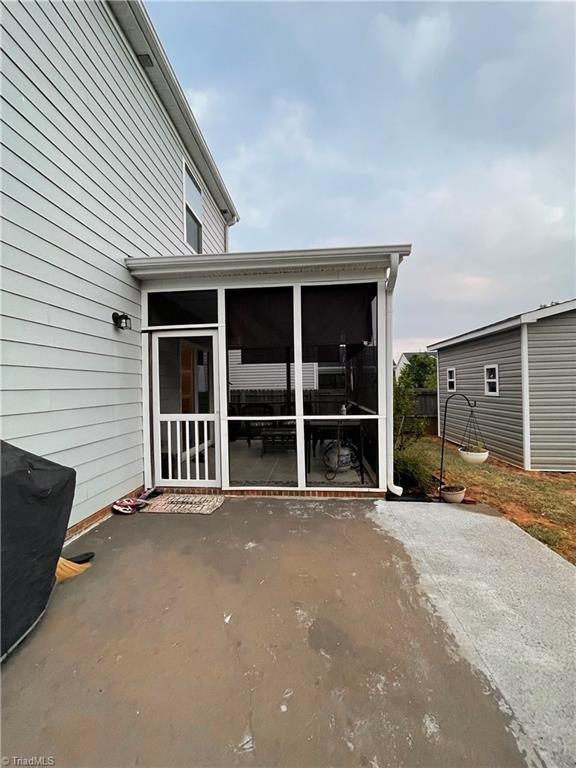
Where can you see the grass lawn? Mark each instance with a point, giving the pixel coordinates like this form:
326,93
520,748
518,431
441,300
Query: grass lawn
543,504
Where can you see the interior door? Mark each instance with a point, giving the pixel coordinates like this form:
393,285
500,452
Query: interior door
186,419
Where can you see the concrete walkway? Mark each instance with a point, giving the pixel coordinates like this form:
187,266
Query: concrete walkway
299,633
510,603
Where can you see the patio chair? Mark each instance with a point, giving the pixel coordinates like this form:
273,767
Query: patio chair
254,426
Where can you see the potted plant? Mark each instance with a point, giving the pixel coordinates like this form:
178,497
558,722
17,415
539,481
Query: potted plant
474,453
454,494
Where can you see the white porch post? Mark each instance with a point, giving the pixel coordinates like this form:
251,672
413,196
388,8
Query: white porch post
223,384
146,434
382,352
299,387
389,372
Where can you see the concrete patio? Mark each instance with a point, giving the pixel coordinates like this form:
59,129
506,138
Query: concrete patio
288,632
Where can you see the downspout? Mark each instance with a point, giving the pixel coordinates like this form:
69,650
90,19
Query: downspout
390,283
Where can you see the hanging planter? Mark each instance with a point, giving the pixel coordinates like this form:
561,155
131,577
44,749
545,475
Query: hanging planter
453,494
472,450
476,453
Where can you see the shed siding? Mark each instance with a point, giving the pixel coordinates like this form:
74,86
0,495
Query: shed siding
552,375
92,173
499,418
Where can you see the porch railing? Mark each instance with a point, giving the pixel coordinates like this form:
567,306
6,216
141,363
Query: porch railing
187,449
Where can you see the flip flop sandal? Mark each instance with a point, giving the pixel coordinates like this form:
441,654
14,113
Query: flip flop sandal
121,509
129,502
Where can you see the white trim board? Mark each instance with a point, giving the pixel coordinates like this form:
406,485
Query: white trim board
505,325
275,263
525,373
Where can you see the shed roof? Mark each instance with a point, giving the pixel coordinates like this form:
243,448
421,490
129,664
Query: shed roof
509,322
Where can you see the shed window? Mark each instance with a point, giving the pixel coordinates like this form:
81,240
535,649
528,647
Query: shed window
192,212
491,383
451,379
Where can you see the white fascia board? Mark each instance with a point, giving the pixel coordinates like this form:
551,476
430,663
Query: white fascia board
363,259
526,317
138,29
555,309
514,323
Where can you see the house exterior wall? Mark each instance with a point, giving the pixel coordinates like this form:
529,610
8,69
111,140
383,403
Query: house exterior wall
500,417
92,173
400,365
552,386
267,376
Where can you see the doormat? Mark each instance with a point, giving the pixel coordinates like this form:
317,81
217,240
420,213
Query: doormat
184,504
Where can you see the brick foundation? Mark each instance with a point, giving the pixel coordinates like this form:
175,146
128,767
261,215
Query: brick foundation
97,517
351,494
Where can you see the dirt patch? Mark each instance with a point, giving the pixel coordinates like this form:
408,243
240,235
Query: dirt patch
542,503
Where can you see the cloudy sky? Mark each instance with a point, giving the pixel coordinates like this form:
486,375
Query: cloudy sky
450,126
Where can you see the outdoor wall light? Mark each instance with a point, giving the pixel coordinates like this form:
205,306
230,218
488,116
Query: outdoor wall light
121,321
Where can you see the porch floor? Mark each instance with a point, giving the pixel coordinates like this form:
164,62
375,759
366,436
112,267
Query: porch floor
274,632
278,466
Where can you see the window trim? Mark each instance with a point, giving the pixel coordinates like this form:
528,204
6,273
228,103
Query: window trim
496,380
186,207
449,380
189,210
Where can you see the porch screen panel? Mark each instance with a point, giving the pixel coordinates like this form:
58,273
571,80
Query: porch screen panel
260,376
339,339
182,308
341,453
262,452
260,352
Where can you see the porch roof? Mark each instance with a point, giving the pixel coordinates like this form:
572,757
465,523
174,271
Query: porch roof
364,259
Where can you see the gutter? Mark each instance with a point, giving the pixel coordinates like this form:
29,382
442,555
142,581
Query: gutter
390,283
360,259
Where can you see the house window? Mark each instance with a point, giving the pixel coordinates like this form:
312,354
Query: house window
451,379
491,382
192,212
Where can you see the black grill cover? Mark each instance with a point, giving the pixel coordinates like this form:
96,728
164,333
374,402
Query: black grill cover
36,501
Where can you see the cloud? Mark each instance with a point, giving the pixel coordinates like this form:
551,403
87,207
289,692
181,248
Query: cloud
274,171
477,171
416,46
202,102
492,232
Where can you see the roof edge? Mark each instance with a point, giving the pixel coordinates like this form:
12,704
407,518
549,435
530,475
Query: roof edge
364,257
511,322
134,21
487,331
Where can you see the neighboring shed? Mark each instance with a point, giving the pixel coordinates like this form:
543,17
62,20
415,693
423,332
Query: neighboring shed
522,373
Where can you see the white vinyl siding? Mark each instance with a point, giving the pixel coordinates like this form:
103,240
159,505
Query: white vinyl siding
552,379
92,174
267,375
